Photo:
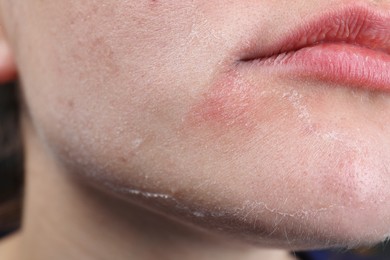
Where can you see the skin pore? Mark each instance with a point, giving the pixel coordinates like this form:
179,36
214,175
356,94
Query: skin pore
146,134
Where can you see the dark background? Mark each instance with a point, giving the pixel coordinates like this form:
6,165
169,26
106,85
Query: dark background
11,160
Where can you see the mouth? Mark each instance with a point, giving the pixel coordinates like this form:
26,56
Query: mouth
349,46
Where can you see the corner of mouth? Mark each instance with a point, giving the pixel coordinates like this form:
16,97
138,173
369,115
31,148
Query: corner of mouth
356,24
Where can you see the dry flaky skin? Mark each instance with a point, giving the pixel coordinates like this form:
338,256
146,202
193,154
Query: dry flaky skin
146,99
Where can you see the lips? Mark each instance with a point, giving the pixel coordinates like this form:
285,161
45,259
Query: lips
350,46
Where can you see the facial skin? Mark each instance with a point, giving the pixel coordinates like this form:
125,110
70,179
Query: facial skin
148,100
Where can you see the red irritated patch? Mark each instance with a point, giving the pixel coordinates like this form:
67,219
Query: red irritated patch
232,105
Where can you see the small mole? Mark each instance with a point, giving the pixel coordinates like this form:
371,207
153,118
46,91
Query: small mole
70,104
123,159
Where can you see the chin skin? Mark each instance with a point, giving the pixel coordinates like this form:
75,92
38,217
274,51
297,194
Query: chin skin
303,165
153,107
280,167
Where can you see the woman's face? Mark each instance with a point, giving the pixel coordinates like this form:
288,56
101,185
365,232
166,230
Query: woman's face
158,101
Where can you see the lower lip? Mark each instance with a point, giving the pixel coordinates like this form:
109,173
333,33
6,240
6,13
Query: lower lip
339,63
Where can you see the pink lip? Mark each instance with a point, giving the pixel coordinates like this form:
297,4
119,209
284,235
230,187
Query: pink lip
350,46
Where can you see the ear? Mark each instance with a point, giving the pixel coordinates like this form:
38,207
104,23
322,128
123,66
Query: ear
7,63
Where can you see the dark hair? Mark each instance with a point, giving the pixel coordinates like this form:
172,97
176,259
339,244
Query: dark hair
11,160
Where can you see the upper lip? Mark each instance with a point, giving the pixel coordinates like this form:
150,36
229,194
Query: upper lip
357,25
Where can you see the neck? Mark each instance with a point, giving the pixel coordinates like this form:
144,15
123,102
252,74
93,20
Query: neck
66,219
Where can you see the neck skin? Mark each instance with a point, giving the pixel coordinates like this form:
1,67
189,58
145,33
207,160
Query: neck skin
65,219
